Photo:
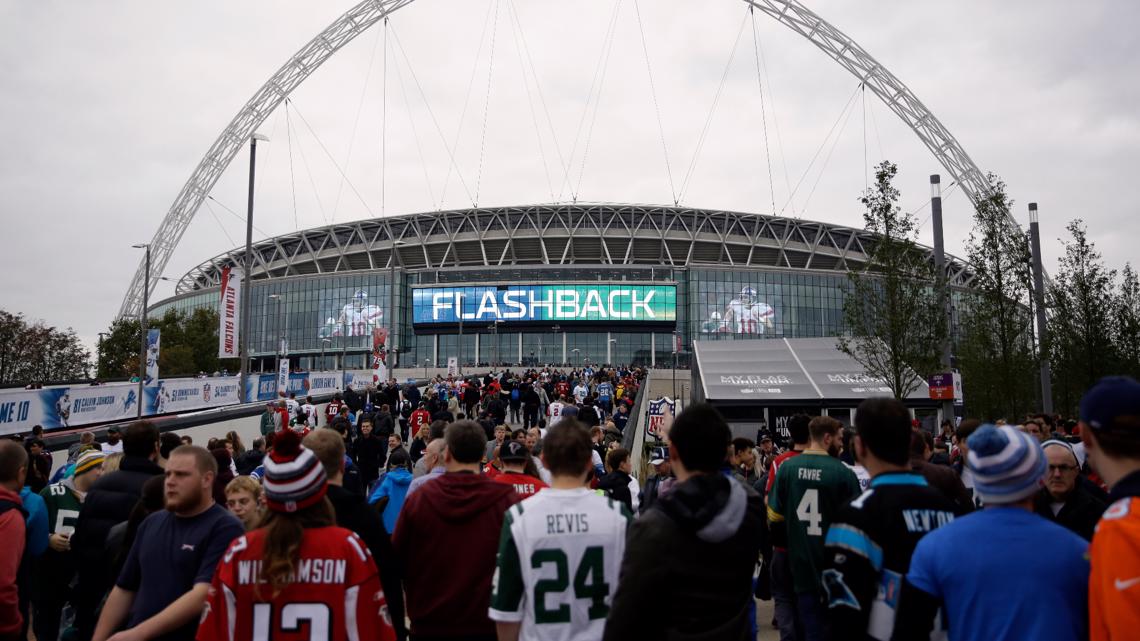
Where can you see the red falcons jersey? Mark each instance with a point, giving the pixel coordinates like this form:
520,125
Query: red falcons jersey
525,485
334,595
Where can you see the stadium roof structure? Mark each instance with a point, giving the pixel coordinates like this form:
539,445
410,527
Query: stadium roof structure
602,234
796,371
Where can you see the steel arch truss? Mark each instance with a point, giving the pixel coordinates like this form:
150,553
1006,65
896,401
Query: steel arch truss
790,13
545,235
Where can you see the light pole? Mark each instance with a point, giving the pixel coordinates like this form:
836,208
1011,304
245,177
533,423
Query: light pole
427,361
676,348
609,353
577,352
324,341
99,356
246,298
142,325
388,347
495,327
276,298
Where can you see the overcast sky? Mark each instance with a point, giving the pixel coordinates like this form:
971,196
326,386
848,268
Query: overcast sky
106,108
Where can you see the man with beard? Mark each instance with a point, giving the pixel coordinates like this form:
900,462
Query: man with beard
808,493
162,588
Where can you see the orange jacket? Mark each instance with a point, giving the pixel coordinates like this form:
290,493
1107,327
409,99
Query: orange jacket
1114,580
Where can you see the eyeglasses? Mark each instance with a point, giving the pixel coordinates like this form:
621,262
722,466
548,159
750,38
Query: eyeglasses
1061,468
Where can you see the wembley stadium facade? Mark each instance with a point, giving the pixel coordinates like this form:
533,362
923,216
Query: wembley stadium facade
540,284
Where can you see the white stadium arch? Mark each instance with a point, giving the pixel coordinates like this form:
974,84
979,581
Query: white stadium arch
791,13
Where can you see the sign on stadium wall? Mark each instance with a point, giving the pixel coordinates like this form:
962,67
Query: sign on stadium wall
609,303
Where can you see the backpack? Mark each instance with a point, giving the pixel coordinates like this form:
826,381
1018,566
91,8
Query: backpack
515,394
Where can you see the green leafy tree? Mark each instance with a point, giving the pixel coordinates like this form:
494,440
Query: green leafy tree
1081,305
995,351
119,349
1126,317
894,318
38,353
189,345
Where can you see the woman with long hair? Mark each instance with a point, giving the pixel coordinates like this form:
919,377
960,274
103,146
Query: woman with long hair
297,573
235,440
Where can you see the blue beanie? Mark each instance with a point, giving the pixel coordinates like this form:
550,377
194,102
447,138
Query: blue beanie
1008,465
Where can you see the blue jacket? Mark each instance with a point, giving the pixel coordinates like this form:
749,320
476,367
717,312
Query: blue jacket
37,521
395,487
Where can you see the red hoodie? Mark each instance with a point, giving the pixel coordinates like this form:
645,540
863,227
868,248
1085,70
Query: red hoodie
12,533
447,537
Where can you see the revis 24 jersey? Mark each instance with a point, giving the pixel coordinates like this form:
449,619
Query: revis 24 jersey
334,595
557,570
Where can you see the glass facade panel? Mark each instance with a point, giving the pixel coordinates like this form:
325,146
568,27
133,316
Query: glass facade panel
338,313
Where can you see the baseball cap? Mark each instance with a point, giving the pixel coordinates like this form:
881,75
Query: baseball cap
1111,398
659,455
514,451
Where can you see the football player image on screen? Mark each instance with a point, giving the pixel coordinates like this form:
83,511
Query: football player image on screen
357,318
746,315
714,325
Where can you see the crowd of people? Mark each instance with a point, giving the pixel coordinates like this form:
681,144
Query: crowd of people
504,506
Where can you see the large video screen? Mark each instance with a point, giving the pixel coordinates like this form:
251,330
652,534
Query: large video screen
609,303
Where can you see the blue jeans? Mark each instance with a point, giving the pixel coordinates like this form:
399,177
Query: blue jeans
812,617
784,596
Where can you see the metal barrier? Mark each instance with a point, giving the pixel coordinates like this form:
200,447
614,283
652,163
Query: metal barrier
634,437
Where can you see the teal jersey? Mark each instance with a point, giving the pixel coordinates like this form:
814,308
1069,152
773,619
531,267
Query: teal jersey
807,494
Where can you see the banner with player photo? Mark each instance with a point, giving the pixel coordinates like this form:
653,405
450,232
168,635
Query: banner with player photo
379,355
744,311
153,343
180,395
229,313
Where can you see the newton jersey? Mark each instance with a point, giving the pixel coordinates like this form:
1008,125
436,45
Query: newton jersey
808,492
868,550
557,570
335,593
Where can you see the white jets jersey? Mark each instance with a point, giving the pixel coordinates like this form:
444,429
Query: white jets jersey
558,563
580,392
359,321
749,318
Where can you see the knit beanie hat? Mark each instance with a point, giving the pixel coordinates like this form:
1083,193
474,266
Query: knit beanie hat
1008,465
294,479
88,461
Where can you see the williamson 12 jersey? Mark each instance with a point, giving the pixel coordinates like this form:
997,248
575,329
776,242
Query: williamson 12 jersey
334,594
557,570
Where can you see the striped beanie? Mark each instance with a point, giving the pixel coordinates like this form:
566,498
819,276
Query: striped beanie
293,479
1008,465
88,461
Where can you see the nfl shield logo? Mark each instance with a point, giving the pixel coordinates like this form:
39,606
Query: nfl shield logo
656,422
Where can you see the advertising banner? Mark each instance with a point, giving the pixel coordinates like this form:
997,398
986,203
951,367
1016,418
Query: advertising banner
941,386
261,387
452,366
379,365
359,317
323,382
749,310
180,395
283,376
586,302
228,316
153,340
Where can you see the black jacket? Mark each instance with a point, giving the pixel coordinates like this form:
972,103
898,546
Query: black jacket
249,461
616,486
108,503
383,425
369,453
689,559
1080,513
353,513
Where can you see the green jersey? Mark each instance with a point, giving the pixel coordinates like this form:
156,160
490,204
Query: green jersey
808,492
63,506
